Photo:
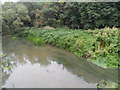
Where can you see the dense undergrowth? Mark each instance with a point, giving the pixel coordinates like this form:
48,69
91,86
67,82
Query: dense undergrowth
100,47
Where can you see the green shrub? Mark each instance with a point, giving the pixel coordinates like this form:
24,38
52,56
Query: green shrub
100,47
36,40
107,84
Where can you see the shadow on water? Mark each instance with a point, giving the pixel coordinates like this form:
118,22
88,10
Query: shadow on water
48,66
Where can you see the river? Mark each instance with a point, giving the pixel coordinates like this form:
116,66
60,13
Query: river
49,67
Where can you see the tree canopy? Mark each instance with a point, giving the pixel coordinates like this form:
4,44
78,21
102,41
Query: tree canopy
75,15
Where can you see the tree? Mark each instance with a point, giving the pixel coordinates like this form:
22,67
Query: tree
34,11
87,15
15,16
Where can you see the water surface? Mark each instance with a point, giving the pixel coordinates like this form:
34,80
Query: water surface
49,67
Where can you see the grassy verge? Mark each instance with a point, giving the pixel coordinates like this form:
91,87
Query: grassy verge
100,47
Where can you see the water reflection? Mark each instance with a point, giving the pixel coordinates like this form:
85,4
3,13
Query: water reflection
37,66
38,76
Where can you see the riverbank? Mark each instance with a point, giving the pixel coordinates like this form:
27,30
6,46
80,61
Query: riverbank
97,46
